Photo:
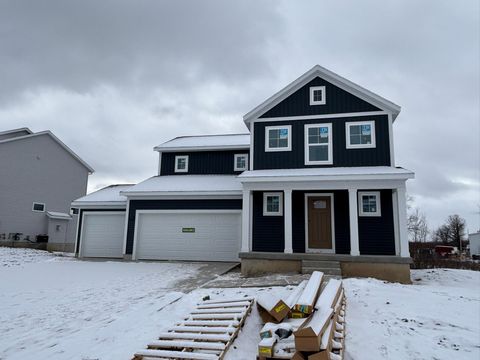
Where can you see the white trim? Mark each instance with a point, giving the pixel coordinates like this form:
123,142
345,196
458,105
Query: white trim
402,220
178,157
159,163
99,204
77,234
127,211
310,178
250,244
236,156
390,139
280,203
332,216
353,218
396,234
160,194
186,211
329,145
287,222
245,247
278,127
38,203
201,148
252,138
12,131
316,88
360,123
319,117
377,213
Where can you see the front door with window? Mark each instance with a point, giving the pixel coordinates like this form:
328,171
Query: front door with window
319,224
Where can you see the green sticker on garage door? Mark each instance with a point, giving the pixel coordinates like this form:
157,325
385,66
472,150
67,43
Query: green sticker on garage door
188,230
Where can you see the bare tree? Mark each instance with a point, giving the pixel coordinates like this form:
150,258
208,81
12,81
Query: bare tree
457,230
441,234
417,226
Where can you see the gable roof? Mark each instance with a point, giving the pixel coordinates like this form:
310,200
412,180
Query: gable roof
56,139
109,195
330,76
14,131
206,142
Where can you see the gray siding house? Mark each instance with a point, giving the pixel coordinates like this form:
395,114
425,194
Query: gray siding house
40,176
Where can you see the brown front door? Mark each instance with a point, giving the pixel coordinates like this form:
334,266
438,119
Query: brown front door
319,222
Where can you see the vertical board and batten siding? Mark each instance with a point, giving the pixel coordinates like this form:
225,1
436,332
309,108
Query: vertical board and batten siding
184,204
337,101
376,233
268,232
342,157
203,162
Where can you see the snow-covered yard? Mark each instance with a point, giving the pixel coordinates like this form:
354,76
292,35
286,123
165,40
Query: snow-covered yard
61,308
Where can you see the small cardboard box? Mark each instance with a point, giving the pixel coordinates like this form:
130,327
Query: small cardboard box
275,313
299,356
297,315
265,347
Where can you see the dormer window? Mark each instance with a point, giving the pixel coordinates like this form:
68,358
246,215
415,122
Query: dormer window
240,162
317,95
181,164
277,138
360,134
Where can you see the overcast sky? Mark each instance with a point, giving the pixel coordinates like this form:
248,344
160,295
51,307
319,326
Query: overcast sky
112,79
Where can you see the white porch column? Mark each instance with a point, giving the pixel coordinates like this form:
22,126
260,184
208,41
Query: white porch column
353,212
246,221
287,215
402,220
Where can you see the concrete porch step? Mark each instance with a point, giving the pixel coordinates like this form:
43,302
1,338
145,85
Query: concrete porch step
326,264
326,271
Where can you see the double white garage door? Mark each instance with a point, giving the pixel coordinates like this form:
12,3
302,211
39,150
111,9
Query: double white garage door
159,235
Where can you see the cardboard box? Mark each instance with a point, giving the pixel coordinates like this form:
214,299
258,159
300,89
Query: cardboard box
299,356
321,355
265,347
308,337
297,315
274,313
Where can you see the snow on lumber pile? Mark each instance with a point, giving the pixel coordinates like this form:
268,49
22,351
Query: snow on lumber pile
271,308
305,303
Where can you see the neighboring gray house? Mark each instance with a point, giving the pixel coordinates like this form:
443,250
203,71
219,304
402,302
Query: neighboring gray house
40,176
474,242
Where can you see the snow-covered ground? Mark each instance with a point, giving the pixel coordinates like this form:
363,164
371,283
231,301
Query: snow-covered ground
56,308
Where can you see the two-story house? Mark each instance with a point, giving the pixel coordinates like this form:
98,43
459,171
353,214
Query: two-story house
313,185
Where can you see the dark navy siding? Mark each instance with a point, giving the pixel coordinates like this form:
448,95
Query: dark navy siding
80,220
268,231
337,101
342,157
184,204
376,234
203,162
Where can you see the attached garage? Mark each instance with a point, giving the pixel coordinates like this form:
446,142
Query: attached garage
102,234
203,235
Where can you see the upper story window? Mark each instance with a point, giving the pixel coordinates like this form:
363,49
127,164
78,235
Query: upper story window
38,207
241,162
181,163
318,144
272,204
360,134
317,95
369,203
278,138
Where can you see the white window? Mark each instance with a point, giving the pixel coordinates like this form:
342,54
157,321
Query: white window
369,203
360,134
38,207
241,162
318,144
181,163
317,95
277,138
272,204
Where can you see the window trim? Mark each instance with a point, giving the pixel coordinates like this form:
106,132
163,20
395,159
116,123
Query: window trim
178,157
280,202
278,127
377,213
38,203
324,95
329,145
235,167
360,146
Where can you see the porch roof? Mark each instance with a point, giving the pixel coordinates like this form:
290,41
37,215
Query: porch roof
327,174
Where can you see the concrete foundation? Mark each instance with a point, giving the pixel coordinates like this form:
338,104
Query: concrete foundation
383,271
62,247
23,244
259,266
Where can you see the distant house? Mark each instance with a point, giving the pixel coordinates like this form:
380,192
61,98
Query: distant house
312,185
40,176
474,243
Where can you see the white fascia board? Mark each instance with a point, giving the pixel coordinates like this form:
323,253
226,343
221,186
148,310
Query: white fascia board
201,148
100,204
6,132
151,194
331,77
320,178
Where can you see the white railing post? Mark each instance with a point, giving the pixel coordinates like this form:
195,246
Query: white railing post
245,221
353,212
402,221
287,214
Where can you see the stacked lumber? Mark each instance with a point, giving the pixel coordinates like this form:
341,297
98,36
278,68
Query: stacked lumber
205,334
314,328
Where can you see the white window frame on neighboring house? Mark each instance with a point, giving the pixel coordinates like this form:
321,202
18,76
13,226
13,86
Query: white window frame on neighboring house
266,195
236,167
313,89
179,157
38,203
289,138
348,125
329,145
361,194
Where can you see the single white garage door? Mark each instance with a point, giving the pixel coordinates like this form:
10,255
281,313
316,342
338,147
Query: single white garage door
202,236
102,234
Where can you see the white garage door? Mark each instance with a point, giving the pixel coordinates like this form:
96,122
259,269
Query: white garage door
102,234
203,236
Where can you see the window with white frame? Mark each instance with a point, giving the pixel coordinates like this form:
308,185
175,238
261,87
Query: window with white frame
181,163
360,134
277,138
38,207
369,203
317,95
318,144
241,162
272,204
